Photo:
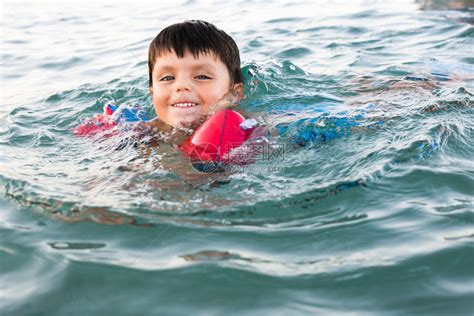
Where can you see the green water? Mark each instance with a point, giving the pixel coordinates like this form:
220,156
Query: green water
376,218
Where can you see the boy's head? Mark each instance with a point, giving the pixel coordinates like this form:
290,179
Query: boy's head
191,66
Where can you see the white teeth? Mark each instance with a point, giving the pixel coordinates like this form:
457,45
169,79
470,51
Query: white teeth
184,105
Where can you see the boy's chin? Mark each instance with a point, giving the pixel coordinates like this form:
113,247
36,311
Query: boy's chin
187,119
189,122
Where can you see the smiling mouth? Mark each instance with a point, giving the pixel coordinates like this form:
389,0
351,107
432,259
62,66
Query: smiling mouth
185,105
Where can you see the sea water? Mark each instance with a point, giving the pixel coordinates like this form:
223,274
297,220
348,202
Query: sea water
365,208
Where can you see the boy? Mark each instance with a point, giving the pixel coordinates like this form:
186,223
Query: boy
194,70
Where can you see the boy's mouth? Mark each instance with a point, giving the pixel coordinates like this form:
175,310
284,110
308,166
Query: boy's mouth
185,105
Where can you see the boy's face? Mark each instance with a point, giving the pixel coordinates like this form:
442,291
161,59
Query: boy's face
187,88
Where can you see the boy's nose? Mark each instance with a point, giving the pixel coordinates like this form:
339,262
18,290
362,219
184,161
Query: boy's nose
183,85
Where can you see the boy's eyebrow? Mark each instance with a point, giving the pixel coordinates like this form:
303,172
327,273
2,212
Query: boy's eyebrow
165,68
203,66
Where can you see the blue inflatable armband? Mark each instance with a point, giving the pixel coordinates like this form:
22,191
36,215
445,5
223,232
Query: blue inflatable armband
126,113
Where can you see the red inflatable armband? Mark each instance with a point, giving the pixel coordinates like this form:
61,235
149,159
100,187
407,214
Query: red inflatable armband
98,124
216,137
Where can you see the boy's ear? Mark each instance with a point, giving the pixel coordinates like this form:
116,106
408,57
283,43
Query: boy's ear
238,88
151,90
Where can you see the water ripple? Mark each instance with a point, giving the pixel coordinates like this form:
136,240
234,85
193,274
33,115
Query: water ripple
373,104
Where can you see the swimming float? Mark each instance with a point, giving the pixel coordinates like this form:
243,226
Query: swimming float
112,116
210,146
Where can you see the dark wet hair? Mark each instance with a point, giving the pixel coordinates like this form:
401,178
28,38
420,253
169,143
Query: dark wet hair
199,37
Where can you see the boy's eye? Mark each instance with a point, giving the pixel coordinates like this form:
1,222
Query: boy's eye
202,77
167,78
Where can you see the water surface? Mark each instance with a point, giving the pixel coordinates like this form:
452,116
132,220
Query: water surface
374,215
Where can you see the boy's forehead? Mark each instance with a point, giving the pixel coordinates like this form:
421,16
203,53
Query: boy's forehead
203,58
